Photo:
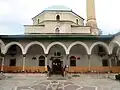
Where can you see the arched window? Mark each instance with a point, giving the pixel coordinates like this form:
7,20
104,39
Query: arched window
101,51
13,50
77,21
105,62
41,61
57,53
57,30
38,21
58,17
72,61
12,62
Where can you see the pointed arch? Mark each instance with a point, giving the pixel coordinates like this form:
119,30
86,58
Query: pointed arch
56,43
100,43
33,43
111,45
80,43
13,43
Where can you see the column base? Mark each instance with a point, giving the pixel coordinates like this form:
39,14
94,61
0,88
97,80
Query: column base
46,69
1,71
23,71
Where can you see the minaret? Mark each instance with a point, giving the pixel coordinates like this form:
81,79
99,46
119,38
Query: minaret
91,18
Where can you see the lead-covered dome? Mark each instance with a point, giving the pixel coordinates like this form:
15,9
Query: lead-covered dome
58,7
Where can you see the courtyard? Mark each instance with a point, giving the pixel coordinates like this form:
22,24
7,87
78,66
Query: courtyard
42,82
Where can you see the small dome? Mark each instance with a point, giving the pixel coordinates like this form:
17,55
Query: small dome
58,7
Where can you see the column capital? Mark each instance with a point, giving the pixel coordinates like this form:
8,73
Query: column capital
67,55
89,54
110,55
24,55
3,55
46,55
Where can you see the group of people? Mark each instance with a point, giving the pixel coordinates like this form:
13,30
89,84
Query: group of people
63,69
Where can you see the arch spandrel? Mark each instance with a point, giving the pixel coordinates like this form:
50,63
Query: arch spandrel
13,43
80,43
112,44
102,44
56,43
35,43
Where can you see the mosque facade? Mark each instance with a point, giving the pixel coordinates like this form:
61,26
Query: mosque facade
58,38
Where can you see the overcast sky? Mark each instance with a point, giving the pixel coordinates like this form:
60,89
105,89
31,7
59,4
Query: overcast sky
16,13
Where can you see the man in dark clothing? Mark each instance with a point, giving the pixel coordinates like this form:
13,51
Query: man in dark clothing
49,70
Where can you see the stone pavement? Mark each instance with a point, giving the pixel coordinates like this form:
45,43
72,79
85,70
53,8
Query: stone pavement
63,85
40,82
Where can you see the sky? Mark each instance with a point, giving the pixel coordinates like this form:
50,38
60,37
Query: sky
14,14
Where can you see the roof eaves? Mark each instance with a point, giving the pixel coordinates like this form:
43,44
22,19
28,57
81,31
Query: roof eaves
80,26
77,15
52,10
59,21
59,11
118,33
38,14
35,25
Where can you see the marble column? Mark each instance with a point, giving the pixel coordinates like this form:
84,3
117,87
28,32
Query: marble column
67,62
23,64
46,62
89,64
3,60
110,64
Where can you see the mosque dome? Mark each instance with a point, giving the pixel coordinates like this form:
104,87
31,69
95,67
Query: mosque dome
58,7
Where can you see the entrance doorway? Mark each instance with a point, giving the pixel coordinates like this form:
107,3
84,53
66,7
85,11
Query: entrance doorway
57,66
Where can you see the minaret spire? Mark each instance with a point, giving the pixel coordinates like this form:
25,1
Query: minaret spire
91,18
